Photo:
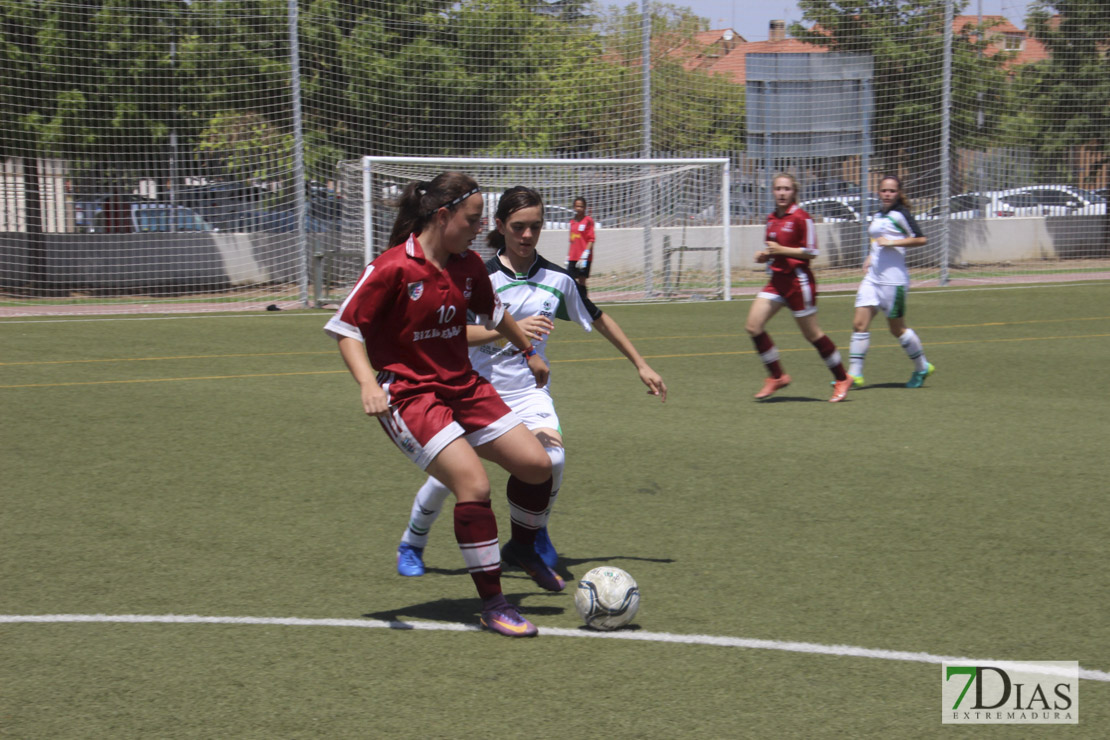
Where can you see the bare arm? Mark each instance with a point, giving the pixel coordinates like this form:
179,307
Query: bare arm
535,327
910,241
374,400
774,249
611,330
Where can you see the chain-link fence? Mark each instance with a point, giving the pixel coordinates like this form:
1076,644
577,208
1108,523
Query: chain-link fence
187,152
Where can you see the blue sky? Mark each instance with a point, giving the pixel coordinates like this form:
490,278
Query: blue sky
750,18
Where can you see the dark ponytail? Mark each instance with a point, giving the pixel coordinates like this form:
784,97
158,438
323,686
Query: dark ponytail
420,200
511,201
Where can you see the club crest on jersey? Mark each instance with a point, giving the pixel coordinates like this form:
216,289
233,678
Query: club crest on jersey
416,290
788,227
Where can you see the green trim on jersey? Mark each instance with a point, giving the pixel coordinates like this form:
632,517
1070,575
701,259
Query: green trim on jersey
898,308
560,312
896,225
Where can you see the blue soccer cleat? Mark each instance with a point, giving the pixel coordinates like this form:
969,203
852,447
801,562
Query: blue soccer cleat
545,549
410,560
918,378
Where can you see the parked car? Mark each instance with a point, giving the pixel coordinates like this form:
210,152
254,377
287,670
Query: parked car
829,189
141,217
221,204
842,209
1014,203
1067,200
964,206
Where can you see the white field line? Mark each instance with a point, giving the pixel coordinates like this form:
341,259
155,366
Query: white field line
90,315
736,642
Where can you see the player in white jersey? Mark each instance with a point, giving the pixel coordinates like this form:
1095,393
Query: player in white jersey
886,282
534,291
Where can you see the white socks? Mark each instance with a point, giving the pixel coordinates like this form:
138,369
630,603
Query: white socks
861,341
425,508
912,345
857,352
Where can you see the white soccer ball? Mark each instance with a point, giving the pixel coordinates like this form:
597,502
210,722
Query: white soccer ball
607,598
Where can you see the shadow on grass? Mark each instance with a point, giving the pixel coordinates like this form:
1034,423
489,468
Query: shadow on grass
456,610
563,568
789,399
468,610
565,564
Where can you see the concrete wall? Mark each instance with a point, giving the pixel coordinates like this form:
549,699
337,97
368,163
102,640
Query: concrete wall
218,261
138,262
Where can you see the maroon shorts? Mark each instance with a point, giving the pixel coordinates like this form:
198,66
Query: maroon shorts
797,289
426,417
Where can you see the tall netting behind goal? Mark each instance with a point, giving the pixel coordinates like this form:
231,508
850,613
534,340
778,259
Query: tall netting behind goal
659,222
149,155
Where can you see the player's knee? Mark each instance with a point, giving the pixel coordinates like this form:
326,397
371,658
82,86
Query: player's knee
536,469
472,489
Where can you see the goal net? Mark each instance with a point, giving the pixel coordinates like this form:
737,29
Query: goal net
659,222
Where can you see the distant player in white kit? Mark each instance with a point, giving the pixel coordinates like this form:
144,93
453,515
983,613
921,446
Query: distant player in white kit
886,282
535,291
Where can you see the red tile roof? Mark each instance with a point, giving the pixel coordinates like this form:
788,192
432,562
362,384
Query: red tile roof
710,51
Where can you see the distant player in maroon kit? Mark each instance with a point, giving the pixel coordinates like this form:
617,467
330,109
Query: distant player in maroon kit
406,319
580,255
791,244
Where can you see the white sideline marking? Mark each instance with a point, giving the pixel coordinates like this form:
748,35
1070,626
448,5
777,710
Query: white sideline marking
738,642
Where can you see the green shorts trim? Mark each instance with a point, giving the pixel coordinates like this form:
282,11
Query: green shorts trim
898,309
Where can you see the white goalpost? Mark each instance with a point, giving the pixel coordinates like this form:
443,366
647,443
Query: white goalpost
662,224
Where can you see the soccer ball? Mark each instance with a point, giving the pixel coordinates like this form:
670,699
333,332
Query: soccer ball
607,598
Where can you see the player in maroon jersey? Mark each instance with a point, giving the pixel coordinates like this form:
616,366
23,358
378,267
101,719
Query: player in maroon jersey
791,244
406,320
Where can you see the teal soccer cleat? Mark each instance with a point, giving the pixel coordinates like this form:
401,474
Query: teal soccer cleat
918,378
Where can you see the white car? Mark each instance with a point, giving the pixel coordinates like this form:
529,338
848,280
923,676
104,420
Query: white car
148,217
965,205
1066,200
841,209
1015,203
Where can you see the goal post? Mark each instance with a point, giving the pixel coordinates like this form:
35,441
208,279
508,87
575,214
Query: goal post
662,230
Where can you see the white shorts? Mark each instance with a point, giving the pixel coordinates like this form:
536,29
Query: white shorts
890,298
535,407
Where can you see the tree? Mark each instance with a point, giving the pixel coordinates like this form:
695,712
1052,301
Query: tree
1066,94
906,39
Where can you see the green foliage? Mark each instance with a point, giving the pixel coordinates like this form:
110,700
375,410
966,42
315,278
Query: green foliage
1066,95
250,146
906,39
